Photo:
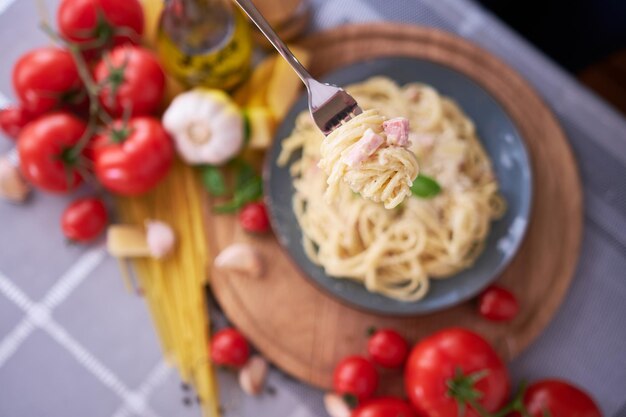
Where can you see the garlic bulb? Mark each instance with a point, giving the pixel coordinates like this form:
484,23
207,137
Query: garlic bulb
206,125
240,257
13,186
160,238
253,375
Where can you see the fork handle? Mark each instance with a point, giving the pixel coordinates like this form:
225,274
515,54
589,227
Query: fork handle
253,13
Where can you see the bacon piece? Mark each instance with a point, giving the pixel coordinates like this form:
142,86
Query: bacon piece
397,131
363,149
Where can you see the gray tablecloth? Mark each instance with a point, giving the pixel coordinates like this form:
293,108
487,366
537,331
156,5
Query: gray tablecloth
73,342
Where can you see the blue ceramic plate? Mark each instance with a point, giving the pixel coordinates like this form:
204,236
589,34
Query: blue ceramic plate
504,146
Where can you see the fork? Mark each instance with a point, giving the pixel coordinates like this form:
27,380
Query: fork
330,106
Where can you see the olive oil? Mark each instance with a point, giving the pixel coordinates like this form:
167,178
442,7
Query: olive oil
204,43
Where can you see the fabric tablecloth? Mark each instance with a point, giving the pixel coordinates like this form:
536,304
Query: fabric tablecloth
73,342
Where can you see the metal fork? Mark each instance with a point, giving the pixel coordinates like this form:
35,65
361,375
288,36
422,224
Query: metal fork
330,106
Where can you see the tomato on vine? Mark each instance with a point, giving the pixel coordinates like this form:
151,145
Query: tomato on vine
13,119
131,80
130,158
84,219
46,79
50,154
95,24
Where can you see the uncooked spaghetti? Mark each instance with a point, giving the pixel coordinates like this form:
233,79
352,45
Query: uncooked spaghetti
396,252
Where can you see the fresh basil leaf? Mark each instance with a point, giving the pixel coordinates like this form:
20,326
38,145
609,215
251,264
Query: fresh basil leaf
252,190
213,180
249,192
245,173
425,187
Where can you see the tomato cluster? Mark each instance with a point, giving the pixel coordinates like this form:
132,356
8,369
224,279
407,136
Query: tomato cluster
450,373
85,108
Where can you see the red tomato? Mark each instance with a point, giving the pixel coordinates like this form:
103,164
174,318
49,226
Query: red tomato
384,407
560,399
432,370
387,348
99,23
132,79
13,119
355,375
84,219
132,159
253,218
229,348
45,79
497,304
47,155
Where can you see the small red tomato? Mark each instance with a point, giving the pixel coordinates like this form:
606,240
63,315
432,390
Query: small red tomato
48,155
13,119
384,407
229,348
559,399
46,79
132,81
100,23
253,218
131,158
497,304
84,219
388,348
355,375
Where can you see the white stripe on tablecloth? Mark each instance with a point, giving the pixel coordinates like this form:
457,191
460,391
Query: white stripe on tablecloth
64,286
39,315
4,4
155,378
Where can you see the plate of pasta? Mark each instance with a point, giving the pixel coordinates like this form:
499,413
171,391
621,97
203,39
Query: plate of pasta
460,223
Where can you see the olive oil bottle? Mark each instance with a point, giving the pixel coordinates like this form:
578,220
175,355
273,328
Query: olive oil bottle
204,42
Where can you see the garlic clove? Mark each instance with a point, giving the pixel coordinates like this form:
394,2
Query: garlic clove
241,257
336,406
13,186
253,375
160,238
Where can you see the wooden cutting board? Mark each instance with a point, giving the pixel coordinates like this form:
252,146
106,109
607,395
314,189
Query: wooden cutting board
306,332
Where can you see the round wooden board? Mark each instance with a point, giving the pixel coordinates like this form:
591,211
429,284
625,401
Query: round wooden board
306,332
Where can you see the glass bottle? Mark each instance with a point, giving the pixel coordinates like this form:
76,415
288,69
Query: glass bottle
204,42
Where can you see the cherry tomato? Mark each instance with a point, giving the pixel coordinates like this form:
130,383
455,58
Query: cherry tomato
253,218
132,79
131,159
84,219
384,407
48,157
95,24
45,79
13,119
387,348
447,365
355,375
559,399
497,304
229,348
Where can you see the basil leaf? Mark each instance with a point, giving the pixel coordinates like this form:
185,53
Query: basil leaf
245,173
249,192
213,181
425,187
